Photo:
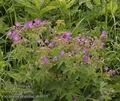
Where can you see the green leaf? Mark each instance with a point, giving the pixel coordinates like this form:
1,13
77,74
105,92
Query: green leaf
75,30
89,5
112,6
1,54
37,3
3,26
69,97
70,3
47,9
50,6
97,2
25,3
2,64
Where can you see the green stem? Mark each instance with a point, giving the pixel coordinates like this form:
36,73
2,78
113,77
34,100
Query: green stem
114,26
106,17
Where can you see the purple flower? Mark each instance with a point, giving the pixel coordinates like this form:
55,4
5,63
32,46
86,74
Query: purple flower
28,24
45,60
95,58
37,22
51,44
104,34
46,41
66,35
17,24
14,33
14,36
9,34
85,50
85,58
78,38
82,38
62,52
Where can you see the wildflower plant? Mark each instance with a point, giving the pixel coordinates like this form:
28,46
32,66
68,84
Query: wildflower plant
56,64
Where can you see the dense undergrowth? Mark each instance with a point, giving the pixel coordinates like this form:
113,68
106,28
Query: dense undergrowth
59,50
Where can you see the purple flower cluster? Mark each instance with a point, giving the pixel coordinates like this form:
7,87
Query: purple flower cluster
14,32
85,58
28,24
85,50
13,35
45,60
66,35
103,37
51,44
104,34
81,43
62,52
17,24
85,41
46,41
37,22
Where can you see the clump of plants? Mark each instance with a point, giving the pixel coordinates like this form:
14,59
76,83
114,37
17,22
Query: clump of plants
57,64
